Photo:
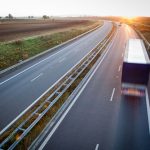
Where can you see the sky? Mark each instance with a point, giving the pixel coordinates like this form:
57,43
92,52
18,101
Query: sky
129,8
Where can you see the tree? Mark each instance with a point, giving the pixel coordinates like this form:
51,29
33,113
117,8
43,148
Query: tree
10,16
30,17
45,17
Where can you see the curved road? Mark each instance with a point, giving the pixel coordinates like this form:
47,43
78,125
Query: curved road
21,88
102,119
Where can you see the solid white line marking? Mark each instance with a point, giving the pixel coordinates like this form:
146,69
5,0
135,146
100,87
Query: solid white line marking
148,108
75,99
119,68
97,146
41,61
36,77
112,95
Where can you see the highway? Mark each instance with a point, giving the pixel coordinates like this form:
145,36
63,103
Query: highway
22,87
100,118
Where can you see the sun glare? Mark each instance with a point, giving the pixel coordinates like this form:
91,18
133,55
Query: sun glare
130,17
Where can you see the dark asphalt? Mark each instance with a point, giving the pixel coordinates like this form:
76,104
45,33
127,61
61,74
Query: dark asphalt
120,124
18,93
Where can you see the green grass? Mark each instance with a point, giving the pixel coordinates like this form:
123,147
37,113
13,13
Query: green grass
12,53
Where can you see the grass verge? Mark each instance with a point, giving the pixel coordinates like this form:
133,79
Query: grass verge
13,52
145,30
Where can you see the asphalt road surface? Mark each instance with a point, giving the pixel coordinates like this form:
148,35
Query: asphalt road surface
102,119
21,88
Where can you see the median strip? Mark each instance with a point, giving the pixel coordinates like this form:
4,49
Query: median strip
29,125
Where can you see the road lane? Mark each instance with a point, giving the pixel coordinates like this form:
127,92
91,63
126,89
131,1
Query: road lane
120,124
132,126
17,93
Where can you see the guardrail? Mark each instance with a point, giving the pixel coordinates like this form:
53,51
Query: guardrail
49,100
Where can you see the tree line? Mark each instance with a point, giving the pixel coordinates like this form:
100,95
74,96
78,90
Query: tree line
10,16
